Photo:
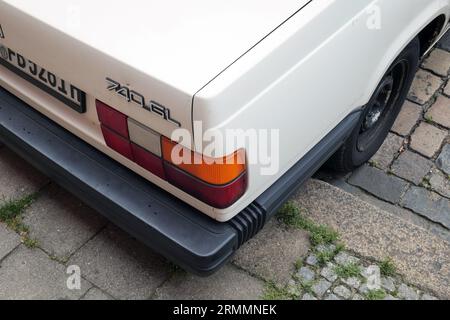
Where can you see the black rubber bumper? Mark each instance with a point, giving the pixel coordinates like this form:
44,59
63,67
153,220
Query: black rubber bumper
164,223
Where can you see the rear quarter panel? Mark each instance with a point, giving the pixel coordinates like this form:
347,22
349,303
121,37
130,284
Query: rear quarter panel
309,75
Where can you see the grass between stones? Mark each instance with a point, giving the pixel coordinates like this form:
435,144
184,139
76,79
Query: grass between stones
272,292
387,267
325,246
291,215
348,271
379,294
11,214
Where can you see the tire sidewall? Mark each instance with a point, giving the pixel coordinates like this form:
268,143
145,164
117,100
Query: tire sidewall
411,54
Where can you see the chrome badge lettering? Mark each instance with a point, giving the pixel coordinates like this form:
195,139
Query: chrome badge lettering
138,99
2,34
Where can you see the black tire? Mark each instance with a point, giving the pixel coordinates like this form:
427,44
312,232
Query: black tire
379,115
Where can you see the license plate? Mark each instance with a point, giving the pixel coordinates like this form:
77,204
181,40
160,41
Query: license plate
43,79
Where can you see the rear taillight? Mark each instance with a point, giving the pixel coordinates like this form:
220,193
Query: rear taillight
214,171
118,143
218,196
112,119
217,182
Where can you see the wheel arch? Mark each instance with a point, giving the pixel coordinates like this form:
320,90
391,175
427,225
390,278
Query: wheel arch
430,33
428,27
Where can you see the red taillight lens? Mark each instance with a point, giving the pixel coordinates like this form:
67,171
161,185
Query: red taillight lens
148,161
112,119
117,142
220,197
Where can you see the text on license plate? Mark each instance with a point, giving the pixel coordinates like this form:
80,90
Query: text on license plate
44,79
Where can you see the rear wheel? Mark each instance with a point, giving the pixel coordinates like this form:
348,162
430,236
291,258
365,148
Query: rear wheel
380,113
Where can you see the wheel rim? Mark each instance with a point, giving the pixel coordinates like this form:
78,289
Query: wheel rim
383,102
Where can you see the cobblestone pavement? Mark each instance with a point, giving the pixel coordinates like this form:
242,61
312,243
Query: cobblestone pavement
410,175
47,235
348,277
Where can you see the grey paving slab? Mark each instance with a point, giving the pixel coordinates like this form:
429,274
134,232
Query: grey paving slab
96,294
427,139
428,204
440,111
440,183
443,161
120,265
273,252
425,85
379,183
438,61
61,223
229,283
17,177
412,167
407,119
8,241
422,258
447,89
395,210
384,157
30,274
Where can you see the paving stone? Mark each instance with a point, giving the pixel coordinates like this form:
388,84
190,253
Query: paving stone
427,139
443,161
407,119
425,85
305,274
357,297
273,252
440,112
407,293
372,276
388,283
8,241
390,298
379,183
363,289
429,204
308,297
398,211
352,282
30,274
391,146
328,272
312,260
293,289
444,43
438,61
412,167
332,297
321,287
343,292
228,283
120,265
428,297
61,223
325,248
17,178
440,183
95,294
343,258
447,89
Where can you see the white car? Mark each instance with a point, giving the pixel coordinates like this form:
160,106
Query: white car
102,96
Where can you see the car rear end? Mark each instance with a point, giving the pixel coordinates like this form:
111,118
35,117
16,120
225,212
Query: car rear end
93,118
